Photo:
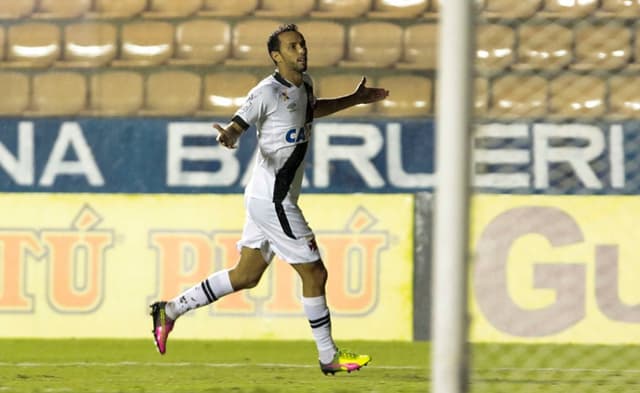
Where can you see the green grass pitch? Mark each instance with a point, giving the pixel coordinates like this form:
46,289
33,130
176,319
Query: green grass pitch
86,366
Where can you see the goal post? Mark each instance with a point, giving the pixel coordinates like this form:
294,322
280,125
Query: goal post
453,130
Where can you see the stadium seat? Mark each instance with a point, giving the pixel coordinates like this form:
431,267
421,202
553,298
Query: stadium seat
409,96
340,84
495,46
547,46
33,44
116,93
434,9
338,9
14,99
16,9
61,9
57,94
604,46
481,97
397,9
518,96
325,40
624,96
619,9
572,9
145,43
172,93
249,42
224,92
373,44
172,8
284,8
202,41
117,8
420,47
576,96
228,7
3,37
510,9
89,45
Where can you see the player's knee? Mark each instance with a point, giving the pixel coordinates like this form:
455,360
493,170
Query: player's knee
320,274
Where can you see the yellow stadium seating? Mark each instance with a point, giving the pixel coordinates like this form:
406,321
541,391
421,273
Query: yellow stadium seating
373,45
145,43
325,42
624,97
14,99
576,96
519,96
172,93
224,92
249,42
340,84
33,44
420,47
619,9
547,46
89,45
500,9
117,8
116,93
58,94
398,9
567,8
409,96
202,41
602,46
228,7
481,96
284,8
338,9
495,47
62,9
172,8
16,9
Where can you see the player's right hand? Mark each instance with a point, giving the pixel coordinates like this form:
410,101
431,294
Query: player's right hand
228,136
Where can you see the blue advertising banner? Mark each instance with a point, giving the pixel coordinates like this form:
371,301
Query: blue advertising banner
177,156
136,155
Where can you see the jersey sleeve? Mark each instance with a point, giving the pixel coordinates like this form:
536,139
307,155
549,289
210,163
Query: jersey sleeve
254,108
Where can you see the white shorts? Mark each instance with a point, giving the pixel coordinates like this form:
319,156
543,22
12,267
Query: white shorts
278,229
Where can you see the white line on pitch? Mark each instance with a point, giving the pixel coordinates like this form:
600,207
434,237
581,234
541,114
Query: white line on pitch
179,364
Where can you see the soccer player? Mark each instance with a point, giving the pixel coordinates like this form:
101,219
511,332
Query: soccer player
282,106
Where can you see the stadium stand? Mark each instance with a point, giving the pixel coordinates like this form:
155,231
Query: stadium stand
340,9
58,94
519,96
2,41
397,10
576,96
32,44
248,46
618,9
495,47
624,97
327,40
601,46
15,97
284,8
145,43
419,47
61,9
116,93
543,47
481,96
411,96
373,45
570,9
172,8
88,45
339,84
172,93
108,9
218,8
224,92
510,9
201,42
16,9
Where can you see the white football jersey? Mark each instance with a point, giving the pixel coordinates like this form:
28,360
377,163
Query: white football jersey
282,114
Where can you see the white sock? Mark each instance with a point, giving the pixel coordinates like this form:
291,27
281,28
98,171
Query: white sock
208,291
320,320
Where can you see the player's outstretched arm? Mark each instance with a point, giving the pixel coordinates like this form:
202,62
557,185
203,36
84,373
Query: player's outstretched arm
228,136
361,95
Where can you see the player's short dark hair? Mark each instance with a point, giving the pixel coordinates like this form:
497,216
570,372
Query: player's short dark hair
273,43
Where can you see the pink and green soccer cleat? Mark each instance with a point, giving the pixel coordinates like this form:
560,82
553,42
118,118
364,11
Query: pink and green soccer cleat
345,361
162,326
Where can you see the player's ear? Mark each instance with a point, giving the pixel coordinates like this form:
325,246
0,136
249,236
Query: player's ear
275,55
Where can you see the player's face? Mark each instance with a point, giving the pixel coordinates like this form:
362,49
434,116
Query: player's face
293,51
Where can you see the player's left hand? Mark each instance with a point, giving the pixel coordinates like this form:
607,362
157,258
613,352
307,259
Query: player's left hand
367,95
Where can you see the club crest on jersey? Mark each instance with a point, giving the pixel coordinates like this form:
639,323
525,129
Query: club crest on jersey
284,96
